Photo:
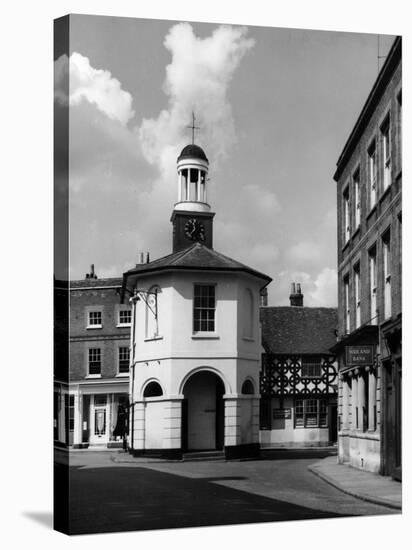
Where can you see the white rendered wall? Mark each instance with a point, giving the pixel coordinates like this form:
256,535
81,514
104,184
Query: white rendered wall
283,432
154,424
176,353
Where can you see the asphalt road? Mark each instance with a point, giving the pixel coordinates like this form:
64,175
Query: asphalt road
107,496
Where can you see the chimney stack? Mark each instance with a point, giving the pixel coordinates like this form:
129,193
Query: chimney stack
296,296
264,297
92,274
147,257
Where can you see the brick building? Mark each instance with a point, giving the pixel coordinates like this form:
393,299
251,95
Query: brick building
298,379
92,346
369,180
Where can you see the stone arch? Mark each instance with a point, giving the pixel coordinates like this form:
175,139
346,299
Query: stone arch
248,387
151,383
189,374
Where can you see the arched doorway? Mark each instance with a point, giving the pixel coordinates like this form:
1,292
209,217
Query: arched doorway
203,415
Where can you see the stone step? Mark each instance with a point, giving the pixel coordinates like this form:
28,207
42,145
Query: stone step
203,455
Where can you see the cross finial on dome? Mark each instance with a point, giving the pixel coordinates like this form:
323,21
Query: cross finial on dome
193,127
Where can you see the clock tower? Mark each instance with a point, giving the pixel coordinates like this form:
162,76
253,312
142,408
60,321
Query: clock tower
191,218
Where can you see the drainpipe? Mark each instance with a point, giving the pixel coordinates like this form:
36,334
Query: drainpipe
134,300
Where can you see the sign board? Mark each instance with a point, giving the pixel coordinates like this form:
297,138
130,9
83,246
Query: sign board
359,355
282,413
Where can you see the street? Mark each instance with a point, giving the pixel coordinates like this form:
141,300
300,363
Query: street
110,491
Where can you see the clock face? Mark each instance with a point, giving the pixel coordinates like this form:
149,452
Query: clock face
195,230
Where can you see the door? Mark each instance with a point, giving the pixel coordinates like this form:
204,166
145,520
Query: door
203,415
333,423
99,421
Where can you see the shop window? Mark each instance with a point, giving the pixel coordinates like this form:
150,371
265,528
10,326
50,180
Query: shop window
311,413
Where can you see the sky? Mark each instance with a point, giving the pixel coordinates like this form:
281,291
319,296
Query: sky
275,108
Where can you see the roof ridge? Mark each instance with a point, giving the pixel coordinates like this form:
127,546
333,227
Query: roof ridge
186,251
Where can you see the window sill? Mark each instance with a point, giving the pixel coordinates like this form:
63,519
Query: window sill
122,375
384,193
94,376
205,336
123,325
371,211
345,245
153,338
92,327
311,427
248,339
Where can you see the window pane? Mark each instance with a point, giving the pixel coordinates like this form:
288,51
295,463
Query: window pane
204,308
95,317
125,317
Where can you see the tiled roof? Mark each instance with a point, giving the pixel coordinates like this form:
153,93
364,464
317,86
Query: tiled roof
96,283
196,256
298,330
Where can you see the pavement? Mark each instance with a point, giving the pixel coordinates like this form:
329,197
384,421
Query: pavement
112,491
366,486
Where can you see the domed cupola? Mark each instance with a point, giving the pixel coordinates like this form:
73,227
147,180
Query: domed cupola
192,151
192,169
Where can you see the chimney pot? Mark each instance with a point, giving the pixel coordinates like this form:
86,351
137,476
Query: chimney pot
148,257
296,296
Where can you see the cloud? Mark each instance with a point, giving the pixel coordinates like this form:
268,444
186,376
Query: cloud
325,291
197,79
304,252
95,86
264,200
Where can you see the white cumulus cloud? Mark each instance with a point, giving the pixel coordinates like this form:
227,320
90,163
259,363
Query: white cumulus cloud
325,291
197,79
95,86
